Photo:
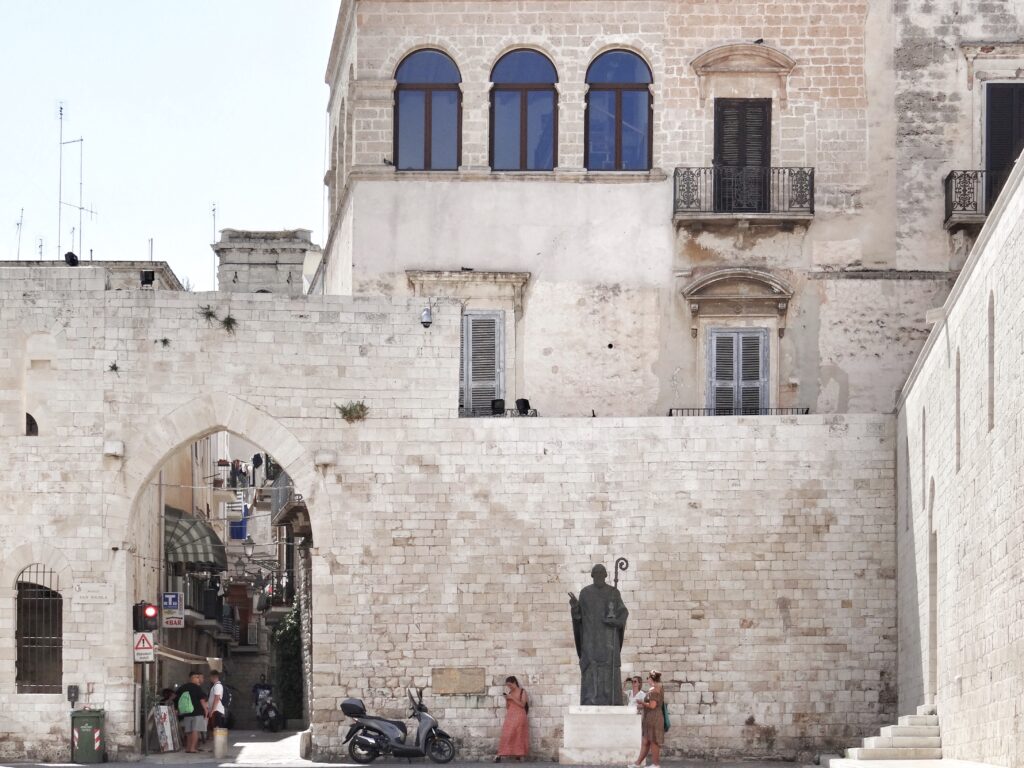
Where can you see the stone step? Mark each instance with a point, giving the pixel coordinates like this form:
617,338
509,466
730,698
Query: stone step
919,720
892,731
926,709
875,742
895,753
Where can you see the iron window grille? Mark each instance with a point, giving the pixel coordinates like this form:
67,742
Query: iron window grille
39,633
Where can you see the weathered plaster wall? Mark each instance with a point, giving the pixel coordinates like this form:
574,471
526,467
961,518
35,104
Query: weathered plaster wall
961,622
762,557
940,113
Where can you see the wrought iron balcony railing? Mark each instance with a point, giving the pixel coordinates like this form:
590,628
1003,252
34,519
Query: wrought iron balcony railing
970,195
725,192
738,411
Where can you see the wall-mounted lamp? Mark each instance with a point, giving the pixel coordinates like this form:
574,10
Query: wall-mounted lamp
248,546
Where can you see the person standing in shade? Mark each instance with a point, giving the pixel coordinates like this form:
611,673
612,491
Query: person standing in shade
515,733
652,727
218,716
191,703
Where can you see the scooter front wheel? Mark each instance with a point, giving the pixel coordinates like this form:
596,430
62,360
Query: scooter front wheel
361,754
440,749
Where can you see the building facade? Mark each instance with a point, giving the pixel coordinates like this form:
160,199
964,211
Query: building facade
615,211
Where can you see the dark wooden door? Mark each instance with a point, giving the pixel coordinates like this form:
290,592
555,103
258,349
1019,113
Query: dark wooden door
1004,135
742,154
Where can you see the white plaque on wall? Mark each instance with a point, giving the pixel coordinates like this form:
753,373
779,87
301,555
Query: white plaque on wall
92,593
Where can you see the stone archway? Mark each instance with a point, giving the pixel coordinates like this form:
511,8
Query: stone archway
223,412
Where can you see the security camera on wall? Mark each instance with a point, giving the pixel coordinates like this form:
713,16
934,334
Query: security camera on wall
426,317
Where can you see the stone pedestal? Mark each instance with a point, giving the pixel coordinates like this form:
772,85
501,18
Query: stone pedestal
600,736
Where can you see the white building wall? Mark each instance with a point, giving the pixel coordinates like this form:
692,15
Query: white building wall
961,475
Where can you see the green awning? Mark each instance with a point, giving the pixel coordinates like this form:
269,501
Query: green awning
192,541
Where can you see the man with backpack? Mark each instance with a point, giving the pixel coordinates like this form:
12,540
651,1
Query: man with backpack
191,705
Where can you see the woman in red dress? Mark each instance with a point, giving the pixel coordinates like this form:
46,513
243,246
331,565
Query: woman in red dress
515,733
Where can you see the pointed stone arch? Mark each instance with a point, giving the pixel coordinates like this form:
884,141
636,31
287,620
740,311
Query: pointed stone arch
743,59
219,412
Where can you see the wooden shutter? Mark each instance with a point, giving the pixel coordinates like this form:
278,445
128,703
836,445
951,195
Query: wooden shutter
752,383
742,155
743,132
483,354
738,376
723,373
1004,133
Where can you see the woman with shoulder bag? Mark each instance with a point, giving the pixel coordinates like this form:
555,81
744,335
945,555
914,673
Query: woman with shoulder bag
652,727
515,733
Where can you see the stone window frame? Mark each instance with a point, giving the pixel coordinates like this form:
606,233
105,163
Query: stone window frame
498,291
988,62
742,60
714,301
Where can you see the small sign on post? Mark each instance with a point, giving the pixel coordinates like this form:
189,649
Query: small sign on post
173,610
143,647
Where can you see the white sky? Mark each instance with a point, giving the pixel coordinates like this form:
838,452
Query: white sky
181,104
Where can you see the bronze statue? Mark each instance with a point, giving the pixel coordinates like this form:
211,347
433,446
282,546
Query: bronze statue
599,626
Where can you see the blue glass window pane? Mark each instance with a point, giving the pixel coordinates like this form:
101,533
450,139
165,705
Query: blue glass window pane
506,130
635,117
427,67
524,67
619,67
444,131
540,131
411,125
601,131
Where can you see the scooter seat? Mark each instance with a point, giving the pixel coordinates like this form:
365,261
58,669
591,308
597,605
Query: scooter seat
397,723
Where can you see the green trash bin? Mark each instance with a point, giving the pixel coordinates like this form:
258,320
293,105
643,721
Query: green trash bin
88,739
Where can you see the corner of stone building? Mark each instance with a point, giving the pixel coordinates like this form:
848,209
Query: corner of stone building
280,261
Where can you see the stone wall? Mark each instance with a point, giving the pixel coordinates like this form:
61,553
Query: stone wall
960,529
761,549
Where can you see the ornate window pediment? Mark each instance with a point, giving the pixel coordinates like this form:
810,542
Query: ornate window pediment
738,292
743,59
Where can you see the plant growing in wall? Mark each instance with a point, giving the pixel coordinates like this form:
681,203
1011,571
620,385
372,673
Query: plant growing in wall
287,640
355,410
164,342
113,367
206,312
229,323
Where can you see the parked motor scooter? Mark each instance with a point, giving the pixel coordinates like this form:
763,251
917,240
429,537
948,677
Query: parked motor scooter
371,737
268,714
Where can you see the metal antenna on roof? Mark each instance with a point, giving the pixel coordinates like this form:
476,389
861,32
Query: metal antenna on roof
19,225
80,141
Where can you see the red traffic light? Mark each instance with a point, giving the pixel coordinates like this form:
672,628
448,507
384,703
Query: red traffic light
145,617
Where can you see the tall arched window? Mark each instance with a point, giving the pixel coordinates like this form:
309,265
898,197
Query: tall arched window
618,122
524,113
39,633
31,426
428,113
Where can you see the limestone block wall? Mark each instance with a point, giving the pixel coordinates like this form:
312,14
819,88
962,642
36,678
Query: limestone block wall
761,579
70,507
761,549
960,529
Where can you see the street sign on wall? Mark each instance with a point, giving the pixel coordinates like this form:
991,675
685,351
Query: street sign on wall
173,610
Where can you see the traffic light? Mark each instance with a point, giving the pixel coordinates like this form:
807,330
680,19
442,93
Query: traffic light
145,617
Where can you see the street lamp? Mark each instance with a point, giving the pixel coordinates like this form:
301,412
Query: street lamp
248,546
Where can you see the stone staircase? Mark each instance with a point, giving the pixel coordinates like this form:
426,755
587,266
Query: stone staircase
915,738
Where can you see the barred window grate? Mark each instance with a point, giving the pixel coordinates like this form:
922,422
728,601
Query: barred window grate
39,635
